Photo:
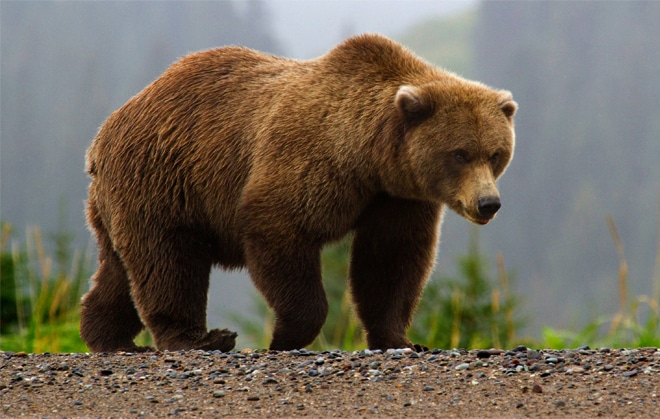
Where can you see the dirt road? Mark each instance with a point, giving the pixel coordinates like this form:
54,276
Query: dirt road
517,383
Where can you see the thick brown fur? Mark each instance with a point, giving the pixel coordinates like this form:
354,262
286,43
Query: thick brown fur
241,159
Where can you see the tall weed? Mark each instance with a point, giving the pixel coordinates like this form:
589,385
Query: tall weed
44,290
471,310
636,322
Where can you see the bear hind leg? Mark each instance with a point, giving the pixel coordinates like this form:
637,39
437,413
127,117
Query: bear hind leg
109,321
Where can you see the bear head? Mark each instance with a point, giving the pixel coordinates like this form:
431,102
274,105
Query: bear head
458,139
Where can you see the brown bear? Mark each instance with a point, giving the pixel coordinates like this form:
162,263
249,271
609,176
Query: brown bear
240,159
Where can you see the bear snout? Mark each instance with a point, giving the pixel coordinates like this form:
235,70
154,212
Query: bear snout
488,206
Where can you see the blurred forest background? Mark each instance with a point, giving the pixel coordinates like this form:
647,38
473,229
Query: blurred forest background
585,74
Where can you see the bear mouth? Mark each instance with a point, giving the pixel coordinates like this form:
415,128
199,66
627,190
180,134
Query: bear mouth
475,218
479,219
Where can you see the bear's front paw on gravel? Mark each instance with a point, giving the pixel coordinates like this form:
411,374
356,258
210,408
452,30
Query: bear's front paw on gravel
223,340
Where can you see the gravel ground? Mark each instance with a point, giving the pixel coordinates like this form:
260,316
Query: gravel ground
518,383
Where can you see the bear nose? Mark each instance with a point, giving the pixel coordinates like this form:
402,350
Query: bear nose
488,206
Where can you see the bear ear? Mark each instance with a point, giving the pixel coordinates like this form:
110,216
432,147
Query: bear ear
413,103
507,104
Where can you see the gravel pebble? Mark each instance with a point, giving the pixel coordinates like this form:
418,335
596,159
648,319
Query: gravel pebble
582,382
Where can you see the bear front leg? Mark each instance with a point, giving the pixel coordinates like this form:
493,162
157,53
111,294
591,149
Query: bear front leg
170,282
288,275
391,258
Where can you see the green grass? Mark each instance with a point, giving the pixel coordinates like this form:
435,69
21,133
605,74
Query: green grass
475,308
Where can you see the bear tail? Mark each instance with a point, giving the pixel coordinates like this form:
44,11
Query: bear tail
90,160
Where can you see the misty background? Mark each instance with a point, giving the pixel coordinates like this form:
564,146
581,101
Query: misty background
585,74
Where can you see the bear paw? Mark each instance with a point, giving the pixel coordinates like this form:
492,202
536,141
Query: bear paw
135,349
222,340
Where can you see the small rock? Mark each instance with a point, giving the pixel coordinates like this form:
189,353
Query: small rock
428,388
631,373
575,370
253,398
537,389
218,394
462,366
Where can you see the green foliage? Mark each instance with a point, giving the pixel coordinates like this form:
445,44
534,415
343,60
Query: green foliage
468,311
638,326
41,310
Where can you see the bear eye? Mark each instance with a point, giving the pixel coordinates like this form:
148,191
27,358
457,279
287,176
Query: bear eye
495,158
461,156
